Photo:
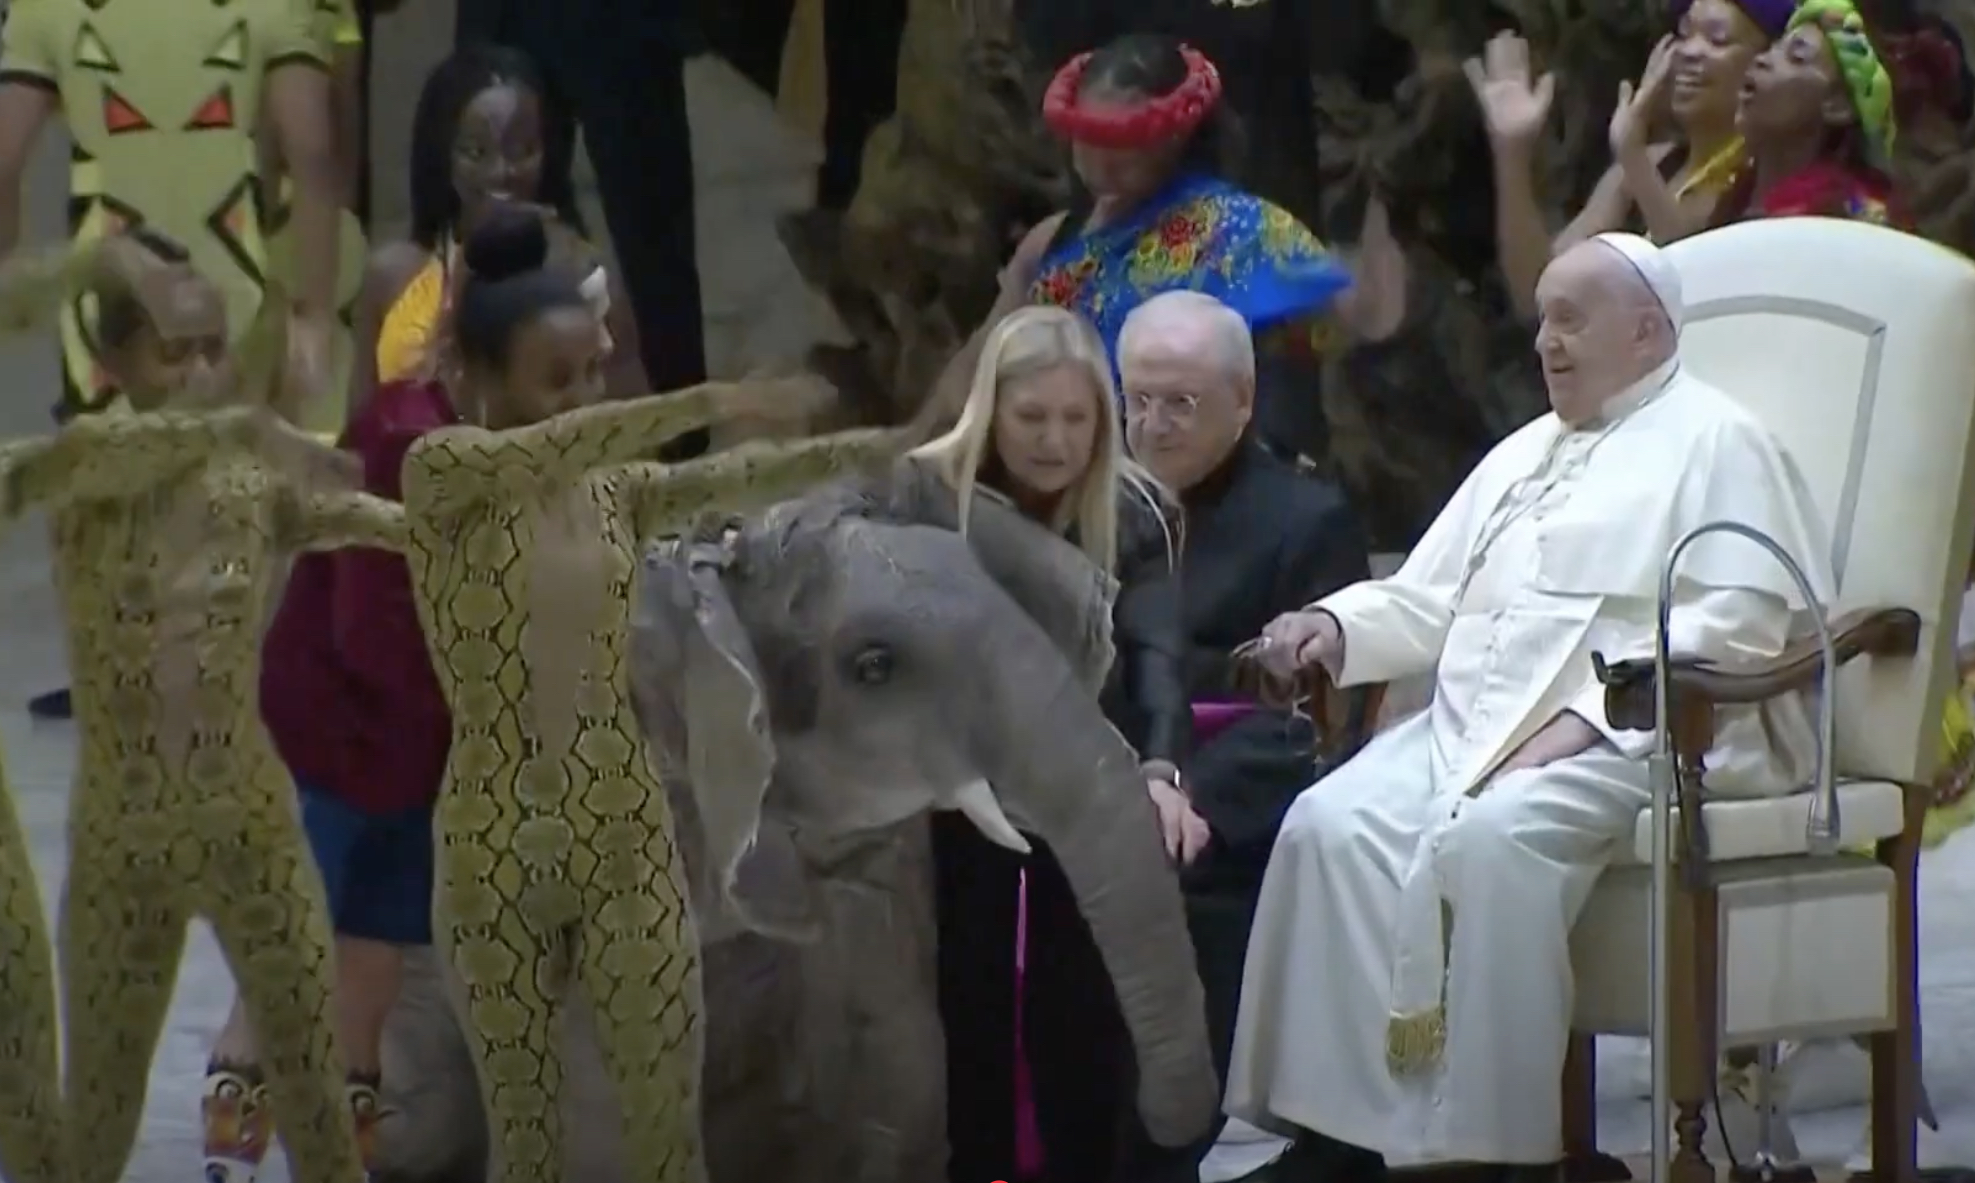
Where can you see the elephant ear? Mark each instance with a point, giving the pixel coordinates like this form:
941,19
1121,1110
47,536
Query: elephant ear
697,688
1065,593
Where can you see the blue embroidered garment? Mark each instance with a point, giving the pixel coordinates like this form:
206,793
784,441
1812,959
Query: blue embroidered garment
1201,234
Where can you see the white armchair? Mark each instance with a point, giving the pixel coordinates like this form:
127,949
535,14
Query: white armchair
1856,345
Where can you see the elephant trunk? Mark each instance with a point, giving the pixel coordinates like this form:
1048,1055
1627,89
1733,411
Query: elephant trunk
1082,792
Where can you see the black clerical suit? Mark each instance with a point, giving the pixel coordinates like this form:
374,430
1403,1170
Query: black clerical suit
618,66
1261,539
1079,1052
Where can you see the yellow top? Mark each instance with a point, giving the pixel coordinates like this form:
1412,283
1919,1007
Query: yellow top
348,31
408,324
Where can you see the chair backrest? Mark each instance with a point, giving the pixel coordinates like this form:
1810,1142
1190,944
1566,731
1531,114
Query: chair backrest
1856,345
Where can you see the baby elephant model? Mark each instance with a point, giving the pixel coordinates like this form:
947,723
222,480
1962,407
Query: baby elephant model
822,681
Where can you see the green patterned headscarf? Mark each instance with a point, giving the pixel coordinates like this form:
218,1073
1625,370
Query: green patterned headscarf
1866,79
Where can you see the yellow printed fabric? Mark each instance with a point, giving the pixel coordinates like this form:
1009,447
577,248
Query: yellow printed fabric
162,103
27,43
408,325
348,31
1953,806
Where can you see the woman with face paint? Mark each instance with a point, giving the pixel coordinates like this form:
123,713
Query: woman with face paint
1695,74
1151,146
484,135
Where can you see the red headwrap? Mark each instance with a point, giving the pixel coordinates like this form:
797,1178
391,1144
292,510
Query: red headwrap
1154,120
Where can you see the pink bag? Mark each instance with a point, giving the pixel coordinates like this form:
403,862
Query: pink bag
1212,718
1029,1157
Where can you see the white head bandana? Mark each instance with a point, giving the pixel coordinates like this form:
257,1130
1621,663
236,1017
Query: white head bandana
1651,265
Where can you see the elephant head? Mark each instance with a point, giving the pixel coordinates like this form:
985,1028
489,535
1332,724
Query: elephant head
830,670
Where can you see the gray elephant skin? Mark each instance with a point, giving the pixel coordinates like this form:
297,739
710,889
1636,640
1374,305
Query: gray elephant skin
813,686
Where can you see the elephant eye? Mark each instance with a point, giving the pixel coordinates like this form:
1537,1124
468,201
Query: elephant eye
872,666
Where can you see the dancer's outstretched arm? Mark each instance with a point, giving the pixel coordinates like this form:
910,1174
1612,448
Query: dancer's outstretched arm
104,457
460,465
332,521
666,498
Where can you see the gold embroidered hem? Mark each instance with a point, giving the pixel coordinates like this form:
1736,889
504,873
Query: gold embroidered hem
1414,1043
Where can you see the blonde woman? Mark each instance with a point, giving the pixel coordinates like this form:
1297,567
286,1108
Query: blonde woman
1040,432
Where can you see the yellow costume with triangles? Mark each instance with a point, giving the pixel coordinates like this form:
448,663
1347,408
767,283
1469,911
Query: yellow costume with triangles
162,99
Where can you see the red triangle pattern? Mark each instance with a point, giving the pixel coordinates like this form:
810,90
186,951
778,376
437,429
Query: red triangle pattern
119,116
215,112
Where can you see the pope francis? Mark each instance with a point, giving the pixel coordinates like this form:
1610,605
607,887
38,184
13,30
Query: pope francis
1407,993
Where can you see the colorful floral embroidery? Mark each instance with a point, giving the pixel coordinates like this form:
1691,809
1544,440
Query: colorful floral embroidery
1203,234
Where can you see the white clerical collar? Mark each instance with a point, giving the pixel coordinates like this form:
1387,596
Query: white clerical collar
1645,390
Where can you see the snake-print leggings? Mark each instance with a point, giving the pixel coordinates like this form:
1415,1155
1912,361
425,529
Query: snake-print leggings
233,853
533,907
30,1081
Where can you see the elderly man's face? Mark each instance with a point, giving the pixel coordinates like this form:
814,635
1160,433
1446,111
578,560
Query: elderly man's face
1596,333
1185,408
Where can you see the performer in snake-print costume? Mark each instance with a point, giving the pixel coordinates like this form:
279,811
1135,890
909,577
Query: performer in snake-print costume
557,864
169,527
30,1070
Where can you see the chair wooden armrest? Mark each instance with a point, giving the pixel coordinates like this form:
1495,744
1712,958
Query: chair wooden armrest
1630,695
1314,694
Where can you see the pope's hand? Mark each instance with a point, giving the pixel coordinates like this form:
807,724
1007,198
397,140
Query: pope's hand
1567,735
1297,641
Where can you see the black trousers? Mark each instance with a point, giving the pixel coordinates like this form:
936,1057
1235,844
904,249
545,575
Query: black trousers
860,51
625,86
1082,1069
1079,1056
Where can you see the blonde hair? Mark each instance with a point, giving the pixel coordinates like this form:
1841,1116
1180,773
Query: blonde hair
1027,342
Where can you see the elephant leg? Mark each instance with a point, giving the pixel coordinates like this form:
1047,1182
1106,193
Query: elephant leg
511,975
638,964
30,1070
266,903
122,935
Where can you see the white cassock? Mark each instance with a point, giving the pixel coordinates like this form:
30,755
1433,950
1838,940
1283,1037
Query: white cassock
1408,982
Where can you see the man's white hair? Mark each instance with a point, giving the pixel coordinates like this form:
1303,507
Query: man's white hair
1179,318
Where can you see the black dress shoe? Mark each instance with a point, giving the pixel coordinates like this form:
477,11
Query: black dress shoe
1318,1158
52,705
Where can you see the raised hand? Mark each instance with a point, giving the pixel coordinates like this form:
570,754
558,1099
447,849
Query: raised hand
1632,119
1513,106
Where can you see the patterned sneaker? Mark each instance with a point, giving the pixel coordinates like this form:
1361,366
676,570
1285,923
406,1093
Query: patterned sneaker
238,1122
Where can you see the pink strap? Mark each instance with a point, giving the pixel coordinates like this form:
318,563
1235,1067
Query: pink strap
1029,1157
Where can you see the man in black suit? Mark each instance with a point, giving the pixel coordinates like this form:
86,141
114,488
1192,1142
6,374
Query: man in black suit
1258,538
618,67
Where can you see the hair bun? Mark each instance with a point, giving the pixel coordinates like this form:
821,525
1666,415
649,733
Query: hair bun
509,242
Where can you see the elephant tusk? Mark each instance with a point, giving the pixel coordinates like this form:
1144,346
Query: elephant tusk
977,802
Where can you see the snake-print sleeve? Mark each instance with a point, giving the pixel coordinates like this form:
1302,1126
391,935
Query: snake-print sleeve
104,457
332,521
666,498
472,463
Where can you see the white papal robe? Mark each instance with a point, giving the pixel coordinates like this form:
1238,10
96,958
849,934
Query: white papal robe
1408,985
